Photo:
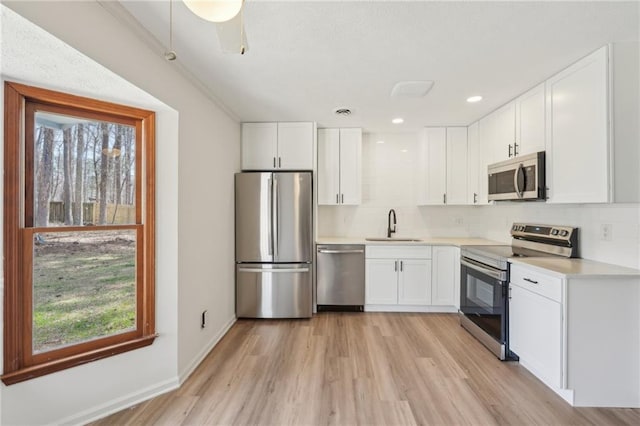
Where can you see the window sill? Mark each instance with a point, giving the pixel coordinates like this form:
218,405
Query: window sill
34,371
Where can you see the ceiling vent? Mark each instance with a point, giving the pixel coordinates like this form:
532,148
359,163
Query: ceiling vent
342,111
411,89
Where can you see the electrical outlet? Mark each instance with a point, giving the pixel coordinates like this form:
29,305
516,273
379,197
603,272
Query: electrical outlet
458,221
203,319
606,232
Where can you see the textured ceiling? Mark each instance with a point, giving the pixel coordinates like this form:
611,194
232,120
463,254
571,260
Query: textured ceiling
307,58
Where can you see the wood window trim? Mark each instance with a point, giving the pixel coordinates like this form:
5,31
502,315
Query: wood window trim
17,366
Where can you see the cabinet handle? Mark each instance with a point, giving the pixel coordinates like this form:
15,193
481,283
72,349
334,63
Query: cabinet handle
509,293
515,149
510,146
279,162
395,267
444,198
274,162
401,265
342,198
475,198
530,280
337,199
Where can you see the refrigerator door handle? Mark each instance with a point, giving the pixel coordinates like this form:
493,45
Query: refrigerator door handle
275,217
270,240
272,271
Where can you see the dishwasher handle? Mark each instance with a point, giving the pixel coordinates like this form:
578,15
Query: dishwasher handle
340,251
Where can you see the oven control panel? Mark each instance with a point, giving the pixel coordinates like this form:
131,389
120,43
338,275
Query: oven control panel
549,233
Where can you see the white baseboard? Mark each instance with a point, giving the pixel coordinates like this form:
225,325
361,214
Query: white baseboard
410,308
184,375
119,404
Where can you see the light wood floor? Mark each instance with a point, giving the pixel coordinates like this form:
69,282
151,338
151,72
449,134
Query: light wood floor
360,368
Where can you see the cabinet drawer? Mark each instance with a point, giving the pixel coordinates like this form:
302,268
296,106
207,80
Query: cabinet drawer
398,252
544,285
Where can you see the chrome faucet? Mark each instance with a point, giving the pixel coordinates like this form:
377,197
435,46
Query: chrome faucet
389,230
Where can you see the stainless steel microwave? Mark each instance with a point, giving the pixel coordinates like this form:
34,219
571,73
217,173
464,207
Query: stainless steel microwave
519,178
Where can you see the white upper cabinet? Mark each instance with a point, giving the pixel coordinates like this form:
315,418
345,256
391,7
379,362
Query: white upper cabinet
456,165
259,146
339,166
434,164
578,115
530,121
295,146
592,128
499,133
277,146
443,166
473,164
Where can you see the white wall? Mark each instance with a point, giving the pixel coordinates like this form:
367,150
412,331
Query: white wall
389,181
194,208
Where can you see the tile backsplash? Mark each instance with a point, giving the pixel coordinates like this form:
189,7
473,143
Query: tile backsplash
389,181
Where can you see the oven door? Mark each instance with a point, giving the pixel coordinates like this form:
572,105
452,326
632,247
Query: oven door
483,292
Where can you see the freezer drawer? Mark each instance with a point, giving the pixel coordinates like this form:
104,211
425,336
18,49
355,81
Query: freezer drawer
340,275
273,291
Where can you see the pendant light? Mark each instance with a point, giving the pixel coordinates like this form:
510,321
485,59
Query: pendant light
170,55
215,10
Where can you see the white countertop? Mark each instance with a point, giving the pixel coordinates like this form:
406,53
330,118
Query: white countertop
576,268
560,267
424,241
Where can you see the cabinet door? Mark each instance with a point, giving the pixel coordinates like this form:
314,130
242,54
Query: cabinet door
456,165
535,334
445,263
530,117
350,166
328,166
414,282
578,139
295,146
381,282
484,156
473,164
259,146
503,133
435,164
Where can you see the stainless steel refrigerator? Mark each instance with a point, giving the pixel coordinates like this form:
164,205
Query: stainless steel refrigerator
274,242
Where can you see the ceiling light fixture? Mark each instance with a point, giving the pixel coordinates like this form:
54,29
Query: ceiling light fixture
473,99
380,142
397,120
215,10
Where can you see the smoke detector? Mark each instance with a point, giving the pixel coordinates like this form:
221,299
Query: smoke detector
342,111
411,89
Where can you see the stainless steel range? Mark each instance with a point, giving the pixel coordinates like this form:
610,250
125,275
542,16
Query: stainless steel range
484,279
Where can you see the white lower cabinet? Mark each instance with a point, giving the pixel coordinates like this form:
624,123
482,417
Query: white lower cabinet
578,334
414,282
445,281
535,333
382,282
412,278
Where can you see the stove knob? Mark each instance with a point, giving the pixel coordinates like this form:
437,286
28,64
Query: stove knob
564,233
522,228
514,228
554,232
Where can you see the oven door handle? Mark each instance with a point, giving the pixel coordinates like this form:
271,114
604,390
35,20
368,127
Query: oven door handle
498,275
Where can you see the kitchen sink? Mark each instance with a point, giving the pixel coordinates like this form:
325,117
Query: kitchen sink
393,239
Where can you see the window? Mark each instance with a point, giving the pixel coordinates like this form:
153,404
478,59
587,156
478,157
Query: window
78,231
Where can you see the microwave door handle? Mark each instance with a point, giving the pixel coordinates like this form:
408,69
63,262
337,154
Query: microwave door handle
516,180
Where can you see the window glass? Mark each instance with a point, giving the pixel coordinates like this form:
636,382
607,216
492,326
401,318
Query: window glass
83,286
84,172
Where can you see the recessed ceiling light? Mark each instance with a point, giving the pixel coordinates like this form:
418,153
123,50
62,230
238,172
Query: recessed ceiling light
342,111
404,150
380,142
397,120
473,99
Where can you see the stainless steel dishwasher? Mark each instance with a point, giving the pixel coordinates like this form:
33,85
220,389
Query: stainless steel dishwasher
340,279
